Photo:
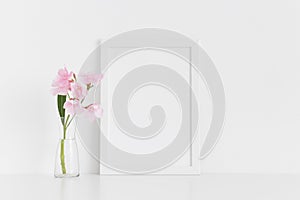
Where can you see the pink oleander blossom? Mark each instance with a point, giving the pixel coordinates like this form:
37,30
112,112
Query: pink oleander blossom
62,83
73,107
78,90
93,79
72,91
93,111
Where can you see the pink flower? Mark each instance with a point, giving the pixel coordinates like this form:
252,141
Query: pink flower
93,79
73,107
62,83
78,90
93,111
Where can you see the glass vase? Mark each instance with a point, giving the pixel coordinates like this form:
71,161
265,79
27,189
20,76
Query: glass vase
66,159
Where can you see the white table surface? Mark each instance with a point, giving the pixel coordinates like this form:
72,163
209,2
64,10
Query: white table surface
207,187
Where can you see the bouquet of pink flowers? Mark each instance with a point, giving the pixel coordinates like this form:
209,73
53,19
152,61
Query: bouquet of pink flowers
71,91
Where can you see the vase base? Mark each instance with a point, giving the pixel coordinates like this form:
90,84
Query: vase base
66,175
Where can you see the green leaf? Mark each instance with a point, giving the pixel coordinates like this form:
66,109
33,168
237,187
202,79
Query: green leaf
61,99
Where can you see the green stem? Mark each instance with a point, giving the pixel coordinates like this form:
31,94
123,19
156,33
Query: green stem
62,157
62,148
68,124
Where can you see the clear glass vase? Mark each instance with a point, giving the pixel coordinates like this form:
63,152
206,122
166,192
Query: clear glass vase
66,159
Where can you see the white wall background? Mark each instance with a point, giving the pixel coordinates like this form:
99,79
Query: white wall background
254,44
